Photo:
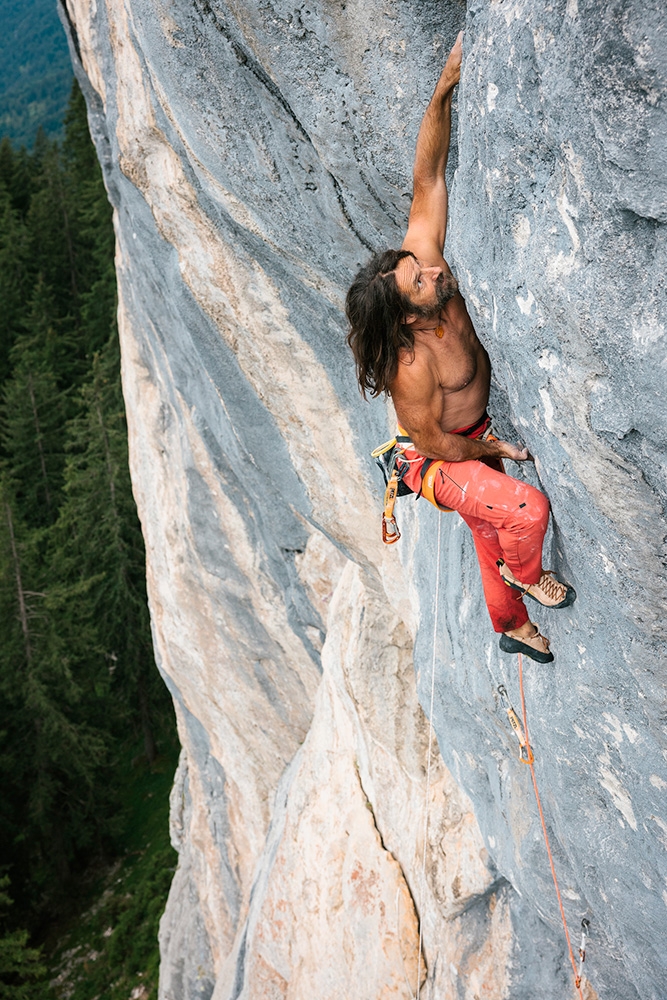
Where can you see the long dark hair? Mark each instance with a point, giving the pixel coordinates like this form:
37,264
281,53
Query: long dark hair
376,308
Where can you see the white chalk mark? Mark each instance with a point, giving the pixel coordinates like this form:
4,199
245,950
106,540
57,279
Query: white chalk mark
631,733
548,409
616,731
526,305
619,796
548,360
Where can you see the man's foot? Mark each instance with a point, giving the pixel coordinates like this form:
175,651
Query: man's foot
533,644
549,591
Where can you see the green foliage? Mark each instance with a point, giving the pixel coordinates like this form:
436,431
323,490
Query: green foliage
13,265
22,972
109,949
35,69
98,527
51,750
78,683
33,412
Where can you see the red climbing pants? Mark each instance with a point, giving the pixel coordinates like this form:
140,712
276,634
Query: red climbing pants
507,517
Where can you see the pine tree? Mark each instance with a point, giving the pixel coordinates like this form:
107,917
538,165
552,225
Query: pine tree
100,546
22,974
6,165
13,271
51,220
22,185
33,413
57,755
16,175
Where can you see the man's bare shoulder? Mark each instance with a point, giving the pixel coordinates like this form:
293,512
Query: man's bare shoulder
415,376
414,392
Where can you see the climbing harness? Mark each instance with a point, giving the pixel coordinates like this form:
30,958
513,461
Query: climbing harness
390,458
428,472
525,752
585,924
428,764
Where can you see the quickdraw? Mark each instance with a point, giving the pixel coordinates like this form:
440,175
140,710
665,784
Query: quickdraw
525,751
386,456
390,532
585,926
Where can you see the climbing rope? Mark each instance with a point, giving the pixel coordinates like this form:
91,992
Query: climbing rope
428,765
584,923
527,757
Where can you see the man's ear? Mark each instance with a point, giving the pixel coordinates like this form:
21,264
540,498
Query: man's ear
410,318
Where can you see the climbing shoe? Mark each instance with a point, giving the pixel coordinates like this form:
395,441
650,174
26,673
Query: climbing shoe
540,651
549,592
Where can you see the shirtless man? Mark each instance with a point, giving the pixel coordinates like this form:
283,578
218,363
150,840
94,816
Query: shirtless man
412,338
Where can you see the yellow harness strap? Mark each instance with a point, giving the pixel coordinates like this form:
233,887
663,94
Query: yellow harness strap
428,482
382,448
428,486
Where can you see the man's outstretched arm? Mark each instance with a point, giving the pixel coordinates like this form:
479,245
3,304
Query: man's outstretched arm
428,216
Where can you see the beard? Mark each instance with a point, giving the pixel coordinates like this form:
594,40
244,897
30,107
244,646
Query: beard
445,289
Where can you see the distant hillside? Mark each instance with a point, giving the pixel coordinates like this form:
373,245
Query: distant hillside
35,70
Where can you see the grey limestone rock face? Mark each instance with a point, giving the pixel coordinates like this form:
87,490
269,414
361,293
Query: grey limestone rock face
255,153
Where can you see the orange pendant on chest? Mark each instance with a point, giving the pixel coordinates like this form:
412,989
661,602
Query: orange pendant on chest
440,332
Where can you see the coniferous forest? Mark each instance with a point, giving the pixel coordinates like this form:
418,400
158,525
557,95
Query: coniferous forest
86,725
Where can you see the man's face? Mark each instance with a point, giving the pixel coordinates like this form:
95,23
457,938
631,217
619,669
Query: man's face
427,288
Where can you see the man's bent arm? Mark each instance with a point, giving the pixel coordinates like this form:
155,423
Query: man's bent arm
416,417
413,391
455,448
428,215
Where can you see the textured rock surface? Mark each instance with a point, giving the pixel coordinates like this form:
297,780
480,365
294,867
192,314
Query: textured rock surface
254,152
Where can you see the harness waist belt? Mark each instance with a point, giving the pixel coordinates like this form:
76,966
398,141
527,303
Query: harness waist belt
430,466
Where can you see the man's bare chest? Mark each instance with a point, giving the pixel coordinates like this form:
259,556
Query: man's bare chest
456,362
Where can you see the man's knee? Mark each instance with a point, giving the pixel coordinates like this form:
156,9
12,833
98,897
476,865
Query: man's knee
533,510
541,506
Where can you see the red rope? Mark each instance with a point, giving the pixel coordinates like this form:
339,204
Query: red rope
577,979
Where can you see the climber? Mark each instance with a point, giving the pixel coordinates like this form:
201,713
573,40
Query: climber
412,338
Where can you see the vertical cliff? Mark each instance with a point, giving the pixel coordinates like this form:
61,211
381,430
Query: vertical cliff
255,153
